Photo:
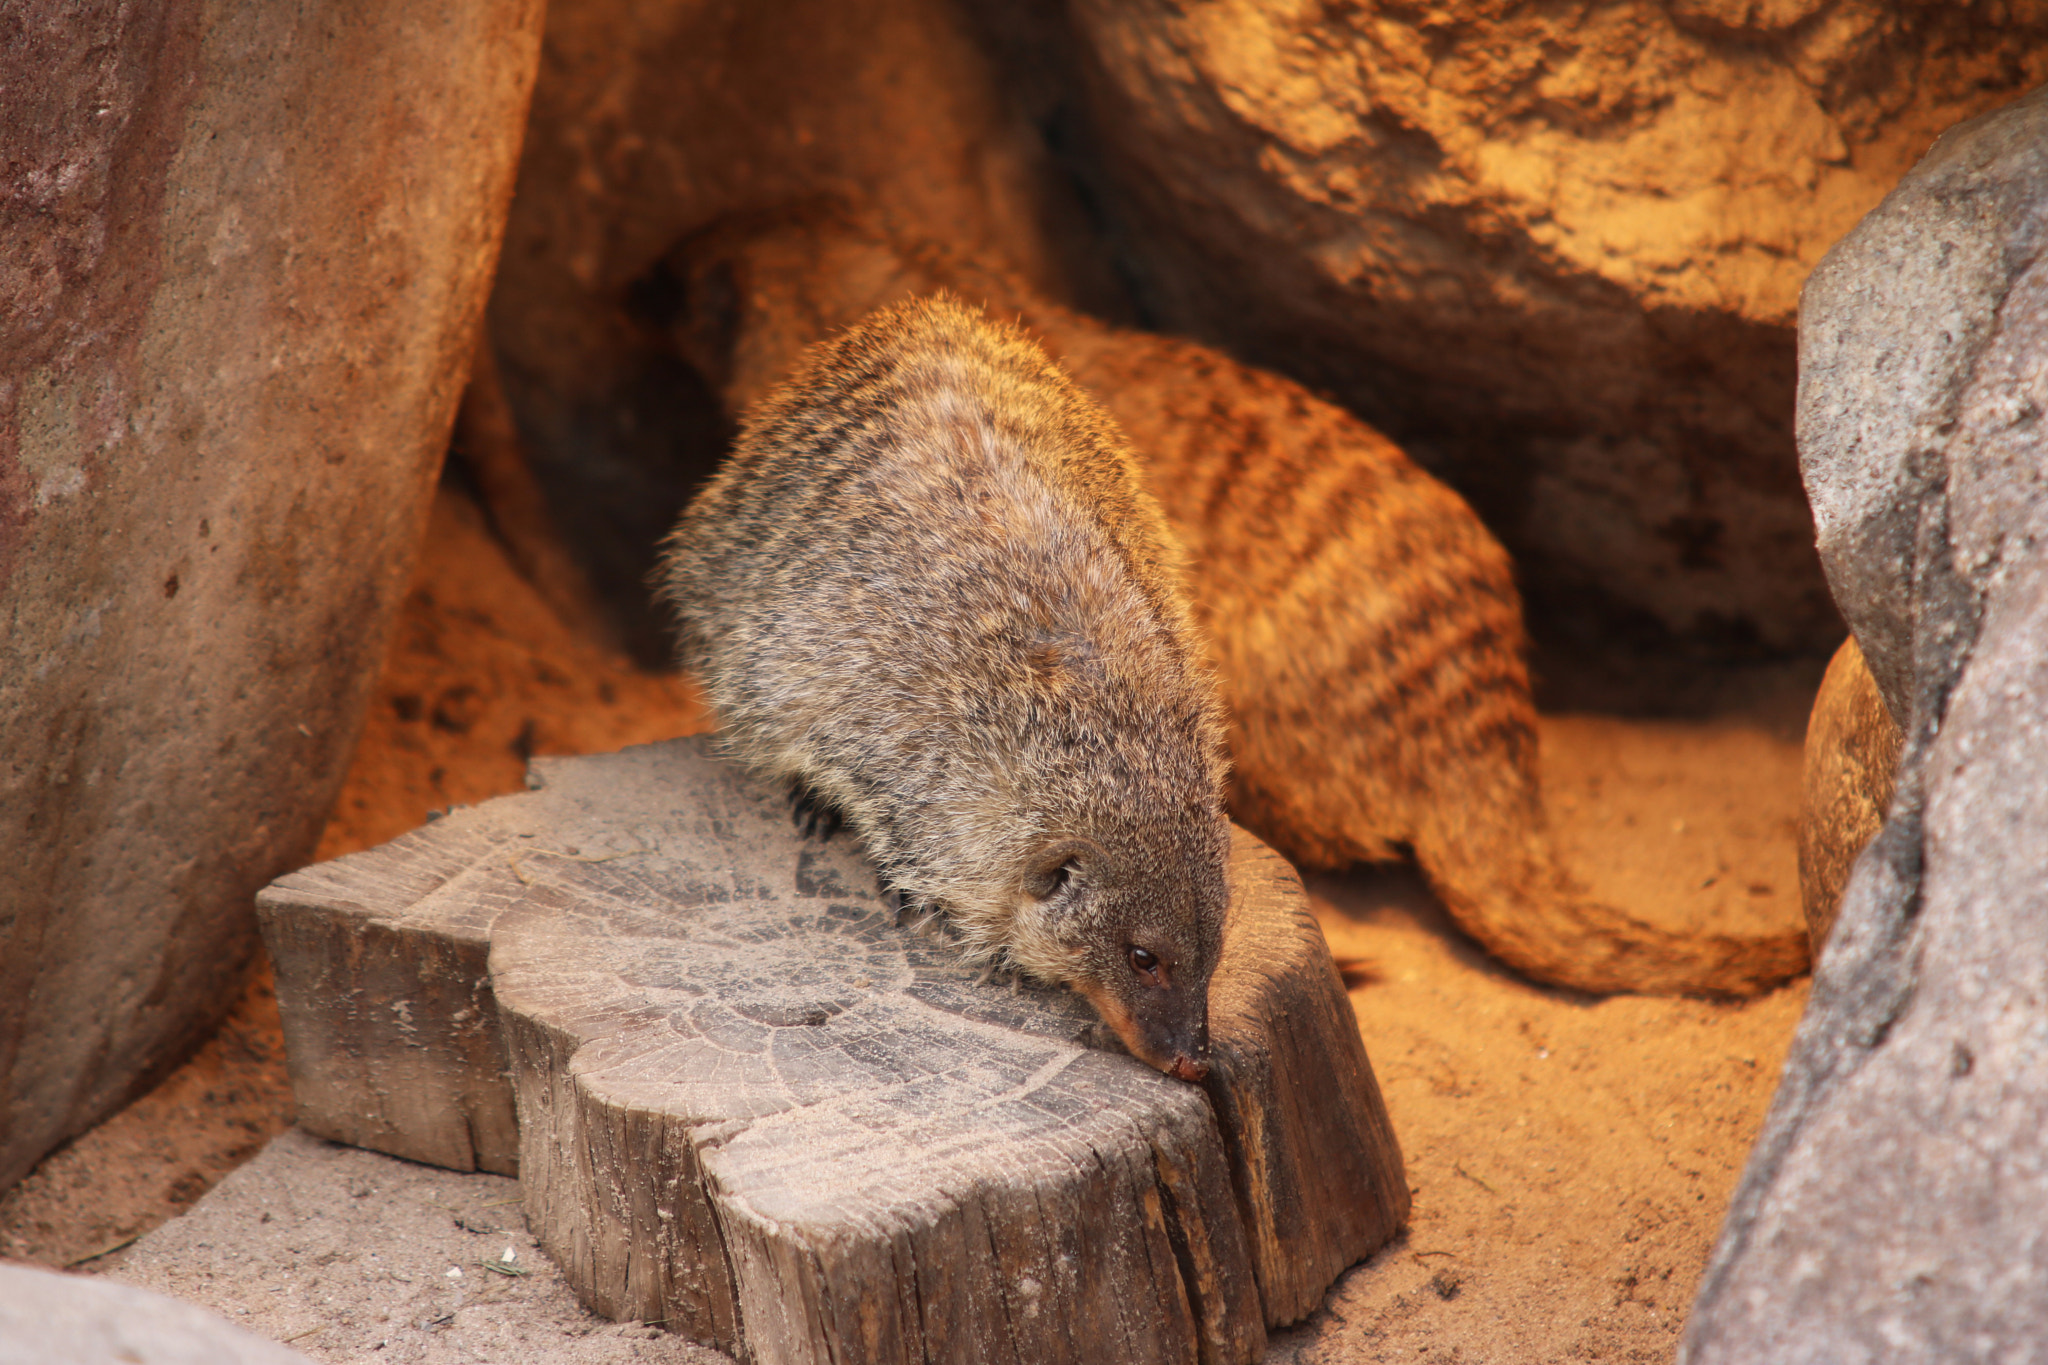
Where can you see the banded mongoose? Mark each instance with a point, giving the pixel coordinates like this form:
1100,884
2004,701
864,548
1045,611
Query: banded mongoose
929,591
1366,627
1851,774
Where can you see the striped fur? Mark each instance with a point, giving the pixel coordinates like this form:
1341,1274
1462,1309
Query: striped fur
1366,626
929,590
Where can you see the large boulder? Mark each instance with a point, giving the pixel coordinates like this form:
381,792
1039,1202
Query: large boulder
244,251
653,118
1893,1207
1554,250
47,1318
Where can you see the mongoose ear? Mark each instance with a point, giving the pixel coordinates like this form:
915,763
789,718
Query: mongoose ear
1056,866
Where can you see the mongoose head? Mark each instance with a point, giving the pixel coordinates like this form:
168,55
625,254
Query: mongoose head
1134,932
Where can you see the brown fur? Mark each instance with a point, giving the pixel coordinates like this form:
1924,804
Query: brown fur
1851,772
1365,624
929,590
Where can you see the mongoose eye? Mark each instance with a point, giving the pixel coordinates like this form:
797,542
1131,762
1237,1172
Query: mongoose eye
1143,961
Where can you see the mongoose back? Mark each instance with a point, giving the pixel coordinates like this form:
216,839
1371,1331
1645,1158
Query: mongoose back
929,591
1365,625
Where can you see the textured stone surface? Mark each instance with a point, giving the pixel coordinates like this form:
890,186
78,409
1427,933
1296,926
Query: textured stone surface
1560,245
244,249
1893,1207
753,1107
651,118
1896,325
1851,765
47,1318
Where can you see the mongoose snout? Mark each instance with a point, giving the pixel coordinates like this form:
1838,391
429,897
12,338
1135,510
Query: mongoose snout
929,590
1146,957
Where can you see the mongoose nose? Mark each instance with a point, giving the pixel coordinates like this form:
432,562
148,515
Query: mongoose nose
1186,1068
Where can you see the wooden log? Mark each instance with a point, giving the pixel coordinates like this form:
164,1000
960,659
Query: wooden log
1313,1155
390,1028
754,1108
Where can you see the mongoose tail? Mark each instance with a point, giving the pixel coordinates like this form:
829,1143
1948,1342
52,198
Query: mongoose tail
1533,916
1478,834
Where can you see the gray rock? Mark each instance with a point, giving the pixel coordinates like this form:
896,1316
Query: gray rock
1893,328
1893,1207
52,1319
243,249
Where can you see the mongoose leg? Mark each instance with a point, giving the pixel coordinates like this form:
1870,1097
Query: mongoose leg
814,816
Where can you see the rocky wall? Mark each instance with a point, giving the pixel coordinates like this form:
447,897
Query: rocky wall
1555,249
243,252
1892,1208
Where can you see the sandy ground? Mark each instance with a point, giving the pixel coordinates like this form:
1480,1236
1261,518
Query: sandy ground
483,675
1570,1157
152,1160
348,1255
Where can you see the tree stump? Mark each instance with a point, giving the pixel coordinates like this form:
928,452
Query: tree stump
753,1107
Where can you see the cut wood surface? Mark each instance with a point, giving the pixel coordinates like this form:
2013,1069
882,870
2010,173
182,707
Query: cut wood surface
753,1107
